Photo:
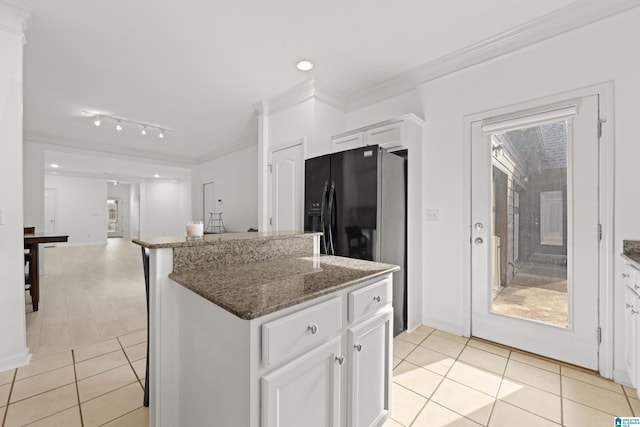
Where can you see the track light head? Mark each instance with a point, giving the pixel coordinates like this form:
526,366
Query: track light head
161,134
143,131
97,121
119,126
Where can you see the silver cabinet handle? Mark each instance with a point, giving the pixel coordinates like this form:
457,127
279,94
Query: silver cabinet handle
636,287
634,311
340,360
625,275
478,241
628,305
358,347
377,299
313,329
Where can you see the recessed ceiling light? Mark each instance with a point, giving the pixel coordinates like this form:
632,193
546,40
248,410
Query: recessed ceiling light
54,165
304,65
156,176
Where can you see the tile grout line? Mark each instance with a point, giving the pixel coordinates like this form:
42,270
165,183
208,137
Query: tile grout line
6,409
75,376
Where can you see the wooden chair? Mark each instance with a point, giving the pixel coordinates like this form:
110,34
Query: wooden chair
27,261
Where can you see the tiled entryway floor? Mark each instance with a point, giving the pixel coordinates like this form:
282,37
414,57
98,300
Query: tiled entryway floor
95,385
441,380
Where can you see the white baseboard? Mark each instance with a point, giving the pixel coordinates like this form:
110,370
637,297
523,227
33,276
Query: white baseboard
16,360
443,326
621,377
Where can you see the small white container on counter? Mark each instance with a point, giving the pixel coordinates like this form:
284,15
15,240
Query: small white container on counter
195,230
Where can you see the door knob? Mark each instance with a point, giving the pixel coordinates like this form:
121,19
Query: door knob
478,241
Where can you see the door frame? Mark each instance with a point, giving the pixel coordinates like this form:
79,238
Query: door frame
279,147
606,199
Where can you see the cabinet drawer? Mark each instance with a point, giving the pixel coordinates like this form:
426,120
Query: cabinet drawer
370,299
292,334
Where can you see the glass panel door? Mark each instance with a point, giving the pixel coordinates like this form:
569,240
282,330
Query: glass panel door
534,241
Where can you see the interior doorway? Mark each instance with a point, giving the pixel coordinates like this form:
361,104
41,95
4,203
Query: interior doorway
115,220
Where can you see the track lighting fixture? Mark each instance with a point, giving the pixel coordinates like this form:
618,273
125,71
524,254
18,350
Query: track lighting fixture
121,123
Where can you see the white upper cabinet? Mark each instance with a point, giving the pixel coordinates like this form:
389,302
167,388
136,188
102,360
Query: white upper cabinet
393,134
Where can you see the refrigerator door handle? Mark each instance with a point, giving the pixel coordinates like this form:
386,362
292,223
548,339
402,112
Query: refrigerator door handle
322,207
332,194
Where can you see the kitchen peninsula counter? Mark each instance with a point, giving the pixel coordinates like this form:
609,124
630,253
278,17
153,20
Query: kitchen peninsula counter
235,319
257,289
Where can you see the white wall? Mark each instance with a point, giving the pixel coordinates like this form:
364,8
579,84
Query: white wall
13,344
122,192
134,211
598,53
165,208
33,185
236,183
81,208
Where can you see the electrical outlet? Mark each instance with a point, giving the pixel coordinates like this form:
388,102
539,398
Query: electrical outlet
433,214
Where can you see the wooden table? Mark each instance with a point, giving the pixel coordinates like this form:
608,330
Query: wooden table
31,242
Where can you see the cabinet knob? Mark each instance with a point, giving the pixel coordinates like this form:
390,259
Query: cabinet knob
340,360
625,275
377,298
358,347
313,329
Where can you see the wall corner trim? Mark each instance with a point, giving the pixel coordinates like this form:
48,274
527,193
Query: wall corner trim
571,17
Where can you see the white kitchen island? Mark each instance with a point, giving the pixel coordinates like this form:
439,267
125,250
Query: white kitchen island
258,329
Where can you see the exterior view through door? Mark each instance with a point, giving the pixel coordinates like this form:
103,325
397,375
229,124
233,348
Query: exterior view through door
534,231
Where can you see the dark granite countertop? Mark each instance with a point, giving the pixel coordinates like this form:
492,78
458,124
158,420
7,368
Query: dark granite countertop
209,239
253,290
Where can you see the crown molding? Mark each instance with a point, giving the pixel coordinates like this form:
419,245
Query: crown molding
92,148
312,88
14,19
240,144
571,17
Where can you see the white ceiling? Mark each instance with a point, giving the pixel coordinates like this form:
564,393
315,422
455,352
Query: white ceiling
199,67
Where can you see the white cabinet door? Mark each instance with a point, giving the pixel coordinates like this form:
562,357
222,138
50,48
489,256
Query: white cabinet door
370,371
342,143
630,331
389,137
305,392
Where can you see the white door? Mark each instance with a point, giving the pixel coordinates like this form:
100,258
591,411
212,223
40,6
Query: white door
534,231
49,210
287,188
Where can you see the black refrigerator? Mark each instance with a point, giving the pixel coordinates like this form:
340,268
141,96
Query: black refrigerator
357,198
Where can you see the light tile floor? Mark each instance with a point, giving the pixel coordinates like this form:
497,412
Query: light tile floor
88,294
100,384
442,380
88,343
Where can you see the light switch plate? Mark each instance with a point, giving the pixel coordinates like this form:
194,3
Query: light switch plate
433,214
